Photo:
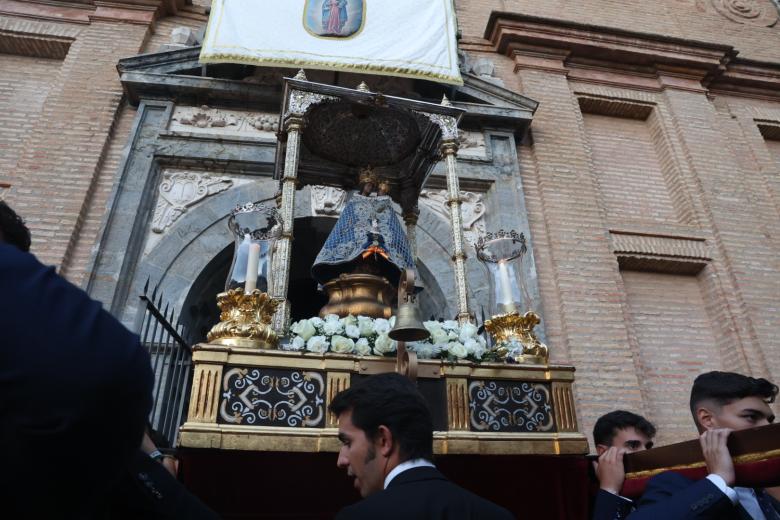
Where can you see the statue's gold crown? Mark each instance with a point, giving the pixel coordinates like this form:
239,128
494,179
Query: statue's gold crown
367,175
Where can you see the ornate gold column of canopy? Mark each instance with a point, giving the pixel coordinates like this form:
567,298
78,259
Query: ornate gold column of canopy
327,136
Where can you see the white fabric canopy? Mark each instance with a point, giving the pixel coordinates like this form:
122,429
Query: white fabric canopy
411,38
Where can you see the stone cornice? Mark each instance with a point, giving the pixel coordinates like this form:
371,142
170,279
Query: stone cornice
83,12
507,31
750,78
561,46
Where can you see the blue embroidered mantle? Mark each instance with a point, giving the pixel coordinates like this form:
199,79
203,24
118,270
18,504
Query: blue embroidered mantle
363,220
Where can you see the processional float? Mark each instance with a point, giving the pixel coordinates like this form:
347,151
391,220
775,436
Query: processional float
263,383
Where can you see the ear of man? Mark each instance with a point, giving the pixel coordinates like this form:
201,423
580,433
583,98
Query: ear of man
705,416
601,448
384,441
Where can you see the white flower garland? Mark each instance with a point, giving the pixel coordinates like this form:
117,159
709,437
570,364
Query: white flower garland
364,336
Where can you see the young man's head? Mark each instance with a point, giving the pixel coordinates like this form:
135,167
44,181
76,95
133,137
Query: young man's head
383,421
730,400
12,228
623,429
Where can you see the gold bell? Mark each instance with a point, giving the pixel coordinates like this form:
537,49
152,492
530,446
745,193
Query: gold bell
408,325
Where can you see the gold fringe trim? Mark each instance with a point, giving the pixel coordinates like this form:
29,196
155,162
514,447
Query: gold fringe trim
380,70
740,459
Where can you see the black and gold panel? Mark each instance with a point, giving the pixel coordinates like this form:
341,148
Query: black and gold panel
510,406
272,397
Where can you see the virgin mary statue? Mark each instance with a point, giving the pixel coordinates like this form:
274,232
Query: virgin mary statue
367,238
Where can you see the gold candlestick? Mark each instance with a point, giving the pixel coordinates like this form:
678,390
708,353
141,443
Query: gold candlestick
245,320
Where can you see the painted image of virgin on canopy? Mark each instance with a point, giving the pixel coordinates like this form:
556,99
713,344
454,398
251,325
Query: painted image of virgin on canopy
334,18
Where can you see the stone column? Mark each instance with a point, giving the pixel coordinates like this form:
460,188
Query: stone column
293,125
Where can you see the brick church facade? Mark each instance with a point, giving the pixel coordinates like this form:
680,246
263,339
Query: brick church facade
648,183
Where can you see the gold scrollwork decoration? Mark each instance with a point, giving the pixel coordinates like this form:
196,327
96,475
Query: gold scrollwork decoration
514,337
244,320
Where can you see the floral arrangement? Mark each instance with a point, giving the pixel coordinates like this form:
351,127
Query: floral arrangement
364,336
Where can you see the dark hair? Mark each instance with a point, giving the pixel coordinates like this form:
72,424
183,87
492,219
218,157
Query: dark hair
608,426
12,228
391,400
724,387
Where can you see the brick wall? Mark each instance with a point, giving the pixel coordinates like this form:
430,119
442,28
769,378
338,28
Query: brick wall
83,248
60,157
24,84
690,19
669,319
629,174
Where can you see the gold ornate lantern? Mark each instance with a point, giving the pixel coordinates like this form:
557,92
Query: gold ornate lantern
512,322
246,306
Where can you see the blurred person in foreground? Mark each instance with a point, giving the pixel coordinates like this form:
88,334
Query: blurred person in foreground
75,389
614,435
386,431
721,402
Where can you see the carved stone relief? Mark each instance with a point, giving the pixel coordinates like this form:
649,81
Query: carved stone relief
479,66
472,207
216,121
472,145
758,13
179,191
327,200
761,13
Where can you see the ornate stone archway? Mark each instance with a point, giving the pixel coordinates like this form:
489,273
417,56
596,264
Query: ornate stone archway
187,258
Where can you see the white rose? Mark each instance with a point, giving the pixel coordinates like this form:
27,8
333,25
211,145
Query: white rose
349,320
331,327
365,326
305,330
381,326
467,331
439,336
353,331
424,350
392,321
432,326
383,344
450,324
316,321
317,344
473,348
362,348
331,317
457,350
298,343
452,335
342,345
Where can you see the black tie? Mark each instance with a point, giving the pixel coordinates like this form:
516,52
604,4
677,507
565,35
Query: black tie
765,502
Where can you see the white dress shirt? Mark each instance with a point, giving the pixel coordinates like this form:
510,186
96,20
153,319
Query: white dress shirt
409,464
745,496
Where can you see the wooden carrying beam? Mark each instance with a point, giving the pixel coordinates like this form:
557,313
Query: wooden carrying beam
756,454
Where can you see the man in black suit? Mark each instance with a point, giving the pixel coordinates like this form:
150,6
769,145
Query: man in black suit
386,432
75,389
614,435
721,402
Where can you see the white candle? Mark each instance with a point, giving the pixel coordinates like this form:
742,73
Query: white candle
251,268
505,301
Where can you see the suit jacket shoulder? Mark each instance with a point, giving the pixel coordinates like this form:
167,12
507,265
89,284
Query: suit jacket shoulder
77,388
423,493
669,495
611,507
